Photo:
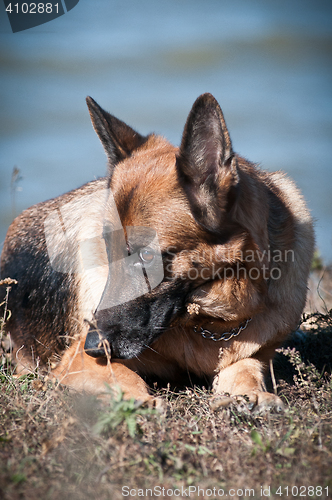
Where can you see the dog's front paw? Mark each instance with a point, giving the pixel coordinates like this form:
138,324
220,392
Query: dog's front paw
255,401
265,401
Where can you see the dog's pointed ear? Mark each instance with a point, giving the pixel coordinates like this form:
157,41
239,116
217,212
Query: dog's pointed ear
119,140
206,164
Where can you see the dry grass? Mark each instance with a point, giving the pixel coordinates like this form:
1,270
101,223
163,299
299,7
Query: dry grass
56,445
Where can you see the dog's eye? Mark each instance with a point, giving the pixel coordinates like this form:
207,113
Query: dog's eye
146,255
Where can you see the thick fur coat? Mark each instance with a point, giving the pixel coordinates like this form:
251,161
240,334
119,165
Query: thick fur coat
234,244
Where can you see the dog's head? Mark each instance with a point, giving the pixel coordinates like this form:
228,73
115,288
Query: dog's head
172,230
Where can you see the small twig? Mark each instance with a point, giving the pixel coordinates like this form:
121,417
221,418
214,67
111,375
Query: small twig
16,178
273,378
6,281
318,291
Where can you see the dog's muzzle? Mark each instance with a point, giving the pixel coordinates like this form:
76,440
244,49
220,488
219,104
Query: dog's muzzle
95,344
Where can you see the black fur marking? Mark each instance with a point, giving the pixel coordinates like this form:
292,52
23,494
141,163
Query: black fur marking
42,300
132,326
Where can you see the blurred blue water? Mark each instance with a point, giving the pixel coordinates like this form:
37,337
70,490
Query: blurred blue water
269,64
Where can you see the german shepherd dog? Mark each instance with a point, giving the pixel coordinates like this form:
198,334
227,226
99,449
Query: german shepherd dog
186,260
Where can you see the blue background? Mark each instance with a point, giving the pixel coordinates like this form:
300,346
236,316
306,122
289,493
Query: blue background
268,63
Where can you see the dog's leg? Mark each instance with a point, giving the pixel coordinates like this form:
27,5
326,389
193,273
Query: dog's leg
81,372
246,378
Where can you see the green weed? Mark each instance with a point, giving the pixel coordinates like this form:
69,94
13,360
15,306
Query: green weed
121,411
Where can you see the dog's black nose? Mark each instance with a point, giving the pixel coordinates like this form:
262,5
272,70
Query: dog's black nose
94,345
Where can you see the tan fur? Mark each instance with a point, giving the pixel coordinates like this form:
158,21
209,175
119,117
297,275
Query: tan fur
79,371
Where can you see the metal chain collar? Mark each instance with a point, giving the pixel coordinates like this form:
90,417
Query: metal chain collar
216,337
